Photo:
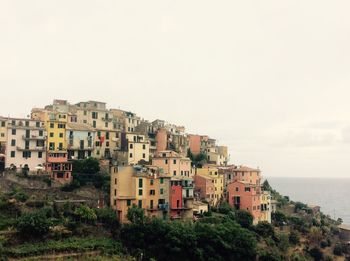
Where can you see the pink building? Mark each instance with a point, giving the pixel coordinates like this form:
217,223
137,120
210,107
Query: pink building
194,143
245,196
161,140
205,187
172,163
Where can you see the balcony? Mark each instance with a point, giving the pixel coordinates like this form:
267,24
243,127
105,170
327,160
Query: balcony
163,207
33,137
31,148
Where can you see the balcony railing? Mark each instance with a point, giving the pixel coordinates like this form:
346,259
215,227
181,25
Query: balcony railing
33,137
43,148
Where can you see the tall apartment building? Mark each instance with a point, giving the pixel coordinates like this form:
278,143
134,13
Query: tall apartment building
181,198
143,187
80,140
212,172
25,144
134,149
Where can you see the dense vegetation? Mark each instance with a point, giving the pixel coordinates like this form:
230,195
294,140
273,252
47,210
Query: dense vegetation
30,228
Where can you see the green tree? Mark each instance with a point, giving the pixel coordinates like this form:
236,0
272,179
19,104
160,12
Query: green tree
264,229
136,215
33,224
86,166
266,186
244,218
85,214
294,237
224,208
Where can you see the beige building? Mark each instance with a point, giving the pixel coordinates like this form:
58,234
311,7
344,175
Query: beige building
173,164
134,149
143,187
26,144
3,133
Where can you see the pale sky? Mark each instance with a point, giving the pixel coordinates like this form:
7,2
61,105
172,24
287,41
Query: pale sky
269,79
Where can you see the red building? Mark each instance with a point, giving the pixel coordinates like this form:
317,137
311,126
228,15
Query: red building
181,198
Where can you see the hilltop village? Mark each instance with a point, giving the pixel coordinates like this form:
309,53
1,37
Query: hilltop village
155,166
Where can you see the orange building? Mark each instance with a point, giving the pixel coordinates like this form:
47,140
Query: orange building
244,196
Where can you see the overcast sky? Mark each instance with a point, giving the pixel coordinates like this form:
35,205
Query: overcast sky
270,79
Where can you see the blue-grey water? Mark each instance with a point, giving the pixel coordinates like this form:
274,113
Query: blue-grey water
332,195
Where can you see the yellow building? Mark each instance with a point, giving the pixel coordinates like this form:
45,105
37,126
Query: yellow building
218,179
56,123
265,208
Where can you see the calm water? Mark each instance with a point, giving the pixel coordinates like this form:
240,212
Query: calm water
332,195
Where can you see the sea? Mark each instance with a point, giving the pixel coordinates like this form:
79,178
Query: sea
331,194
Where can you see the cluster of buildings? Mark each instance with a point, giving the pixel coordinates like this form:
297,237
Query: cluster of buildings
148,162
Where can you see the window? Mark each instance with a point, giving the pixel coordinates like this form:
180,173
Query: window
37,124
106,124
140,183
2,124
61,135
26,154
152,192
161,180
13,131
174,172
174,161
166,161
131,146
140,192
151,182
107,144
237,189
128,202
107,135
144,146
140,204
115,192
60,146
61,126
161,191
41,133
52,125
51,146
13,142
13,154
130,155
246,189
94,124
94,115
27,123
51,134
40,154
143,155
85,113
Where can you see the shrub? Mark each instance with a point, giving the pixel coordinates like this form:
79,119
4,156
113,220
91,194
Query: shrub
224,208
338,250
85,214
264,229
21,196
294,237
323,244
316,254
33,224
244,218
